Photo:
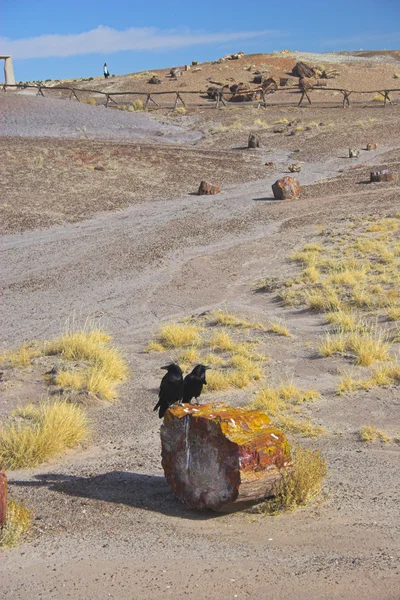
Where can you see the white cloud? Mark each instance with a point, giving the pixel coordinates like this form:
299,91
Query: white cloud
106,40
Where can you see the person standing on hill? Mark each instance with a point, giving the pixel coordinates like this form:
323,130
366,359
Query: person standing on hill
106,71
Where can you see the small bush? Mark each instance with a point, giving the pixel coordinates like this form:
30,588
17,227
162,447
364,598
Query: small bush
19,520
378,98
91,101
369,433
301,483
46,431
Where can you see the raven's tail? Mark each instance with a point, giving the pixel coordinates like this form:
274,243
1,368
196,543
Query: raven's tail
157,405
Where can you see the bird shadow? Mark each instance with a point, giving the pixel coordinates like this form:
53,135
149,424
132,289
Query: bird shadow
138,490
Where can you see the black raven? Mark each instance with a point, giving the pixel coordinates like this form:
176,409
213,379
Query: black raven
193,383
171,388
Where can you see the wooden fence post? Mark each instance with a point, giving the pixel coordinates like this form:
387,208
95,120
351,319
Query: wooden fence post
3,498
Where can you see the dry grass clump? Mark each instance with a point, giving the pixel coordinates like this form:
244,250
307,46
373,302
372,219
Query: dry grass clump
106,366
236,125
301,483
383,375
91,101
298,426
277,401
378,98
225,319
366,346
45,431
19,520
369,433
279,328
179,335
394,313
22,357
136,106
179,110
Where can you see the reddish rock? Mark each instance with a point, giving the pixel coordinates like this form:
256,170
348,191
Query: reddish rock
207,189
216,457
372,146
286,188
382,175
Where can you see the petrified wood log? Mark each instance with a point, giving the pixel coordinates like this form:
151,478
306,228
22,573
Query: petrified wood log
208,189
254,141
302,70
3,497
216,457
382,175
286,188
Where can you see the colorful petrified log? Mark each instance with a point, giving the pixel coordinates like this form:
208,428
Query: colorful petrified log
215,456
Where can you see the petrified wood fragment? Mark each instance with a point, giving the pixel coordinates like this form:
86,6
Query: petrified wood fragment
216,457
286,188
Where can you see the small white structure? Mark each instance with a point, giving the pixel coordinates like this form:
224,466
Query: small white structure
8,70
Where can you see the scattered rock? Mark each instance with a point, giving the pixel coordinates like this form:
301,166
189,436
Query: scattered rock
295,168
195,63
258,78
372,147
208,189
215,456
254,141
155,80
353,153
175,72
382,175
270,164
286,188
99,168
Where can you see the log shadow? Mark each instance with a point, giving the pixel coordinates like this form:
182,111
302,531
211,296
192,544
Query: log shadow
138,490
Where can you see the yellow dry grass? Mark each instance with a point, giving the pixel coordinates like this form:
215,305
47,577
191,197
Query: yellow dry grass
106,366
369,433
367,347
91,101
19,520
298,426
236,125
300,484
155,347
22,357
225,319
386,374
179,335
279,328
46,431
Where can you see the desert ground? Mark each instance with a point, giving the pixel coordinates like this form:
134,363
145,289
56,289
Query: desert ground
100,218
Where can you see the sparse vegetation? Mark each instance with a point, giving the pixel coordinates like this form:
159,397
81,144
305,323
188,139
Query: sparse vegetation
91,101
19,520
279,328
44,432
369,433
301,483
106,367
179,335
22,357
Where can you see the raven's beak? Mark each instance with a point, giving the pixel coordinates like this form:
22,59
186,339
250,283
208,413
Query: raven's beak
205,368
166,367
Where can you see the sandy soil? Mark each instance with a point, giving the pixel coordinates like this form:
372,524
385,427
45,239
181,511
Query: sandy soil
107,524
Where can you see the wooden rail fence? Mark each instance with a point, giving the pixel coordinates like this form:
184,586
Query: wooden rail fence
260,95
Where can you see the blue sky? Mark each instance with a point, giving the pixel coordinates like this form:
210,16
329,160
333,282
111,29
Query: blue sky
73,38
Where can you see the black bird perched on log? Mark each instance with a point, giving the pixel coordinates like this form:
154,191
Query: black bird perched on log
193,383
171,388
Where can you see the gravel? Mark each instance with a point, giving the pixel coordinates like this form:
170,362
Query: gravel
25,116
